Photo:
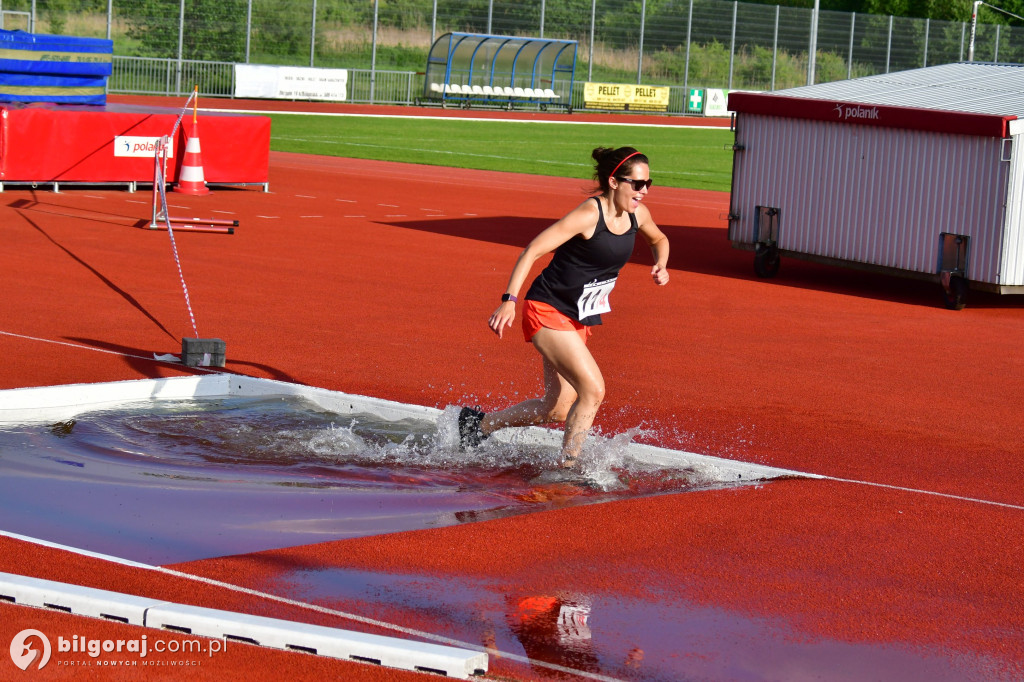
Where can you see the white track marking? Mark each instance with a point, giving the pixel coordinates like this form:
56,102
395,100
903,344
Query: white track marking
463,118
440,639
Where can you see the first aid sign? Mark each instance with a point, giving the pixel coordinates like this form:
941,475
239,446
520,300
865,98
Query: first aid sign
131,145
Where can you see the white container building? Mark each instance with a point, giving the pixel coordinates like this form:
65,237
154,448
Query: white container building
917,173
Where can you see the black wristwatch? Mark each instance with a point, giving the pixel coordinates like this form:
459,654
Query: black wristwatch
509,297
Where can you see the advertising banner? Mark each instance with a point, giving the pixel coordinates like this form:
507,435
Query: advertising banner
290,82
48,143
625,97
716,104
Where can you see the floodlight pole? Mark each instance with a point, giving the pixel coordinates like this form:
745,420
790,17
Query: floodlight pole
181,39
312,35
813,51
433,24
248,29
640,51
590,60
373,54
974,26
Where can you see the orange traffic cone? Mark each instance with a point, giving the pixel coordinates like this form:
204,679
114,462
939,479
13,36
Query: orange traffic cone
191,180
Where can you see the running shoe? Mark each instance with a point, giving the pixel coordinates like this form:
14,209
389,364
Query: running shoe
470,434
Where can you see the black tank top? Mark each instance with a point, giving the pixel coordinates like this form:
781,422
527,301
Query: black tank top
583,270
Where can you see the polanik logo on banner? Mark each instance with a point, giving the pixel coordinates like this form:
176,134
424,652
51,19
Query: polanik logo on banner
134,145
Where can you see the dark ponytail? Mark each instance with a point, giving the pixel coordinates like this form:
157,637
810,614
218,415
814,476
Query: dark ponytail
614,161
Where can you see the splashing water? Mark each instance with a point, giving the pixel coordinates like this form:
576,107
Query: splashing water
175,480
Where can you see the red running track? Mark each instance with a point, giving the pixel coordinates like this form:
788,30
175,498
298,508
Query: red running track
384,289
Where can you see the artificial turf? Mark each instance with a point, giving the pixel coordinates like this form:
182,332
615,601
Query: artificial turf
694,158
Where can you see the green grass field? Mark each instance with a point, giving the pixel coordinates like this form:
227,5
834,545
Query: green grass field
695,158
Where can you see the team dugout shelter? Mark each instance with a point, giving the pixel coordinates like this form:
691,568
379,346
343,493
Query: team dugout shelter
477,68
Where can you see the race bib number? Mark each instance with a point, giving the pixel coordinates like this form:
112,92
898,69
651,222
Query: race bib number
594,300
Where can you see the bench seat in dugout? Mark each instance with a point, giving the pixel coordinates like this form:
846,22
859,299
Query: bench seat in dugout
474,68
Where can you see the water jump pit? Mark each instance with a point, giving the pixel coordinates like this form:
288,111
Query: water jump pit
172,470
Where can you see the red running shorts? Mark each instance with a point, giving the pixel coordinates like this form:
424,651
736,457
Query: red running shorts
537,315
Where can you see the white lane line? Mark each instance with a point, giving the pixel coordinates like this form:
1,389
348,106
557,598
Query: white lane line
626,124
75,550
919,491
441,639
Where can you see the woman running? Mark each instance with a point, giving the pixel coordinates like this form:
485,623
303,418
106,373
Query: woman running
590,244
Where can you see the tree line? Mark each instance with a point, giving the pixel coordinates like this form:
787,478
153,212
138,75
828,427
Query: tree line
217,29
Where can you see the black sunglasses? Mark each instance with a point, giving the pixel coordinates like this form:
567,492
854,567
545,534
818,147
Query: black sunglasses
637,184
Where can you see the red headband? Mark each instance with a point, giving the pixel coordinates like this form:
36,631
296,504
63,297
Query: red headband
612,174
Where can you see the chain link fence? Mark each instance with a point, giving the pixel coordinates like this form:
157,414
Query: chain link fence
167,46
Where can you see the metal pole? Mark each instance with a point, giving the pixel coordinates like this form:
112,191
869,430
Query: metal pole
927,27
686,67
181,43
849,59
732,41
490,17
995,56
888,46
813,49
433,24
543,6
248,30
373,54
590,60
312,35
32,18
775,46
640,51
974,27
110,17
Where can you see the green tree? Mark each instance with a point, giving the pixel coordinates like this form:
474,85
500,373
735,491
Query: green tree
212,29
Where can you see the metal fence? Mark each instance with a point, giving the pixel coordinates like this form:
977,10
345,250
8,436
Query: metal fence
167,46
148,75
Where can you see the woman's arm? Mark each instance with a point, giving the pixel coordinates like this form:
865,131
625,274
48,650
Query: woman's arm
578,221
658,242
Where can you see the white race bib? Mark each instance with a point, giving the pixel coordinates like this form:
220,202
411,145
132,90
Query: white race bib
594,300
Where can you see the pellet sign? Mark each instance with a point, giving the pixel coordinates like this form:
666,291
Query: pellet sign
134,145
624,97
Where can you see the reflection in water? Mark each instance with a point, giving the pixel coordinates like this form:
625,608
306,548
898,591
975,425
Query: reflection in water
172,481
649,634
554,629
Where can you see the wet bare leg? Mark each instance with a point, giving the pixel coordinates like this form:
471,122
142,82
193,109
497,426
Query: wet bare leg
574,390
